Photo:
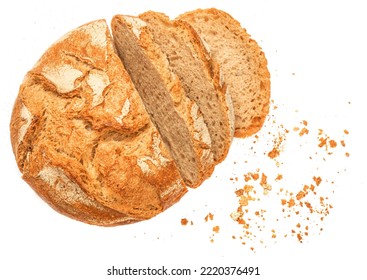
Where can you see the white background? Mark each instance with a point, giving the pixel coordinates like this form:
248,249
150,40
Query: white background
317,58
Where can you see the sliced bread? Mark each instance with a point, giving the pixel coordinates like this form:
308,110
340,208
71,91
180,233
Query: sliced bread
83,139
243,64
199,75
177,118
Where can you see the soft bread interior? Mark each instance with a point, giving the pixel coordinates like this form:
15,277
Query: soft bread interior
243,64
189,60
156,98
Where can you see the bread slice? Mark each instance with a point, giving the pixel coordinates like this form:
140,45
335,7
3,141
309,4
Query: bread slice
83,139
177,118
199,75
243,64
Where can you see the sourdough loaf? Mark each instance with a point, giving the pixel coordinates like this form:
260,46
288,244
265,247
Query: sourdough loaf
109,131
83,139
177,118
199,74
243,64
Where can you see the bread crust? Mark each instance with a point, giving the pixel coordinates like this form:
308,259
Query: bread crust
82,138
253,122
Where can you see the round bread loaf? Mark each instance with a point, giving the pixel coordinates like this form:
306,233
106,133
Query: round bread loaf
83,139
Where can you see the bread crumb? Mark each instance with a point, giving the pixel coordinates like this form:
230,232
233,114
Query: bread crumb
301,195
303,131
291,203
332,143
323,142
216,229
317,180
274,153
208,217
299,236
264,183
184,221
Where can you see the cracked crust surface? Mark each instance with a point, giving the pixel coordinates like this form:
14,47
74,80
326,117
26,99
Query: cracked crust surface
82,138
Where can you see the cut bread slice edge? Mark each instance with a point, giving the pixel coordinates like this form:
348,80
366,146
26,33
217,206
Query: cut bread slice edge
243,63
199,74
177,118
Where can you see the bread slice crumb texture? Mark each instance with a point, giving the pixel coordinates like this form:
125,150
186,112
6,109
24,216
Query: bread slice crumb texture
199,75
176,117
243,64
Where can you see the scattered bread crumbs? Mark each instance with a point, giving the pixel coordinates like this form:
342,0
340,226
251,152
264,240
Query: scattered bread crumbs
292,199
278,143
304,205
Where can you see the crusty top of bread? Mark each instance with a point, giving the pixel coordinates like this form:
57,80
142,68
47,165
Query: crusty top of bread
243,64
199,75
82,138
177,118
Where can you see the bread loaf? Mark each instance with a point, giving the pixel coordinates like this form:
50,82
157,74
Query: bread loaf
199,75
110,131
243,64
177,118
83,139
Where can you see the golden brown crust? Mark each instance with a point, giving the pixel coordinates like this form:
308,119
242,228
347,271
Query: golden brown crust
82,138
87,211
253,122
